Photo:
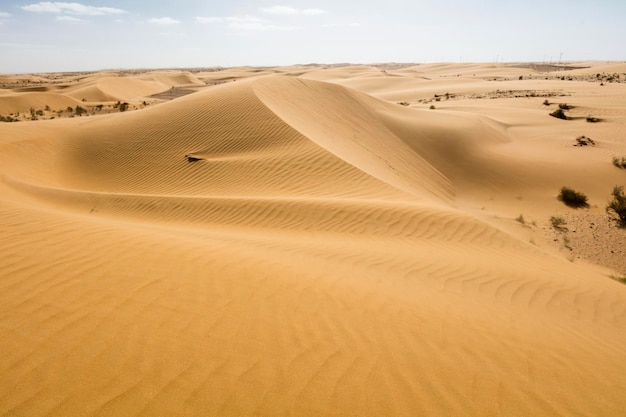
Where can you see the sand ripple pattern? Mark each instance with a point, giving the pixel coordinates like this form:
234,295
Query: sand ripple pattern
310,262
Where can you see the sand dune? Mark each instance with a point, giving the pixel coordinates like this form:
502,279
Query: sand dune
23,102
297,243
130,88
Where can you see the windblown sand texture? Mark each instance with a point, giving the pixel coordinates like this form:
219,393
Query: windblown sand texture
325,251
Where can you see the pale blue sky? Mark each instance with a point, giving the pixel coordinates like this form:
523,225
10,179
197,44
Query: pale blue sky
92,35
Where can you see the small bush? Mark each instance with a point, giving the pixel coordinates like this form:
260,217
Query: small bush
546,102
7,119
584,141
619,162
572,198
564,106
559,114
521,219
591,119
432,107
618,204
557,222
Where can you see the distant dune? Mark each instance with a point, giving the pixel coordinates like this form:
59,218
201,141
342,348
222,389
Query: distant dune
312,241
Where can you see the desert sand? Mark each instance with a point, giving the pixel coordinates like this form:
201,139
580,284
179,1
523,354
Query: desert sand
312,241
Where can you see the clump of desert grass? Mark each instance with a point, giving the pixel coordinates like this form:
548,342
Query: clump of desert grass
572,198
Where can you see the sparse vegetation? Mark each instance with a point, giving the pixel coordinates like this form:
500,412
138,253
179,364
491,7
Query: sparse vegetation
584,141
572,198
566,242
546,102
618,278
80,111
618,204
619,162
591,119
8,119
565,106
559,114
520,219
121,106
557,222
432,107
402,103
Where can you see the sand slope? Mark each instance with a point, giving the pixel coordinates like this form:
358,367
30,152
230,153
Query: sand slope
324,253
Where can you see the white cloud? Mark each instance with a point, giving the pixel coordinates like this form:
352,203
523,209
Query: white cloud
259,27
287,10
4,14
68,19
211,19
246,19
313,12
338,25
70,8
246,23
231,19
164,21
280,10
236,19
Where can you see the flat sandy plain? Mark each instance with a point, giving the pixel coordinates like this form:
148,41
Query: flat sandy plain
312,241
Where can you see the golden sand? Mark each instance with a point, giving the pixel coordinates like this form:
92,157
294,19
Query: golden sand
325,251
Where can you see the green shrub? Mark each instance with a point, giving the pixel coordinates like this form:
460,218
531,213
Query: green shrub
618,204
572,198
